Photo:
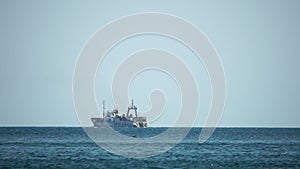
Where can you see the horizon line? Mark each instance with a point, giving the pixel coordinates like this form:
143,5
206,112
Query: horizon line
78,126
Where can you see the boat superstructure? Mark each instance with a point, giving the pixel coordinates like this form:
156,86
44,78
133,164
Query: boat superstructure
115,119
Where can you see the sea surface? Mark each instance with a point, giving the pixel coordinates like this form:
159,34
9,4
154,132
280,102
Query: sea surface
70,147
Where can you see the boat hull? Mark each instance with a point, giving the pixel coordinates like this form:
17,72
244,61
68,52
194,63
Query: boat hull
117,122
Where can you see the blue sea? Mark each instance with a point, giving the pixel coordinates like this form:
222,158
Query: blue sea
70,147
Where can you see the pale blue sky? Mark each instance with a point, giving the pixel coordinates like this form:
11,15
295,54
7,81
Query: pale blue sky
258,43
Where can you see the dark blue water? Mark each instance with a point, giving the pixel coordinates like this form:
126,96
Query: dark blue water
227,148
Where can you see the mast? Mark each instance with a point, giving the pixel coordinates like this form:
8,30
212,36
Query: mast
132,107
103,108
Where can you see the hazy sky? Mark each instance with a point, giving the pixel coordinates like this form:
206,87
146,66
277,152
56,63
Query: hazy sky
258,43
